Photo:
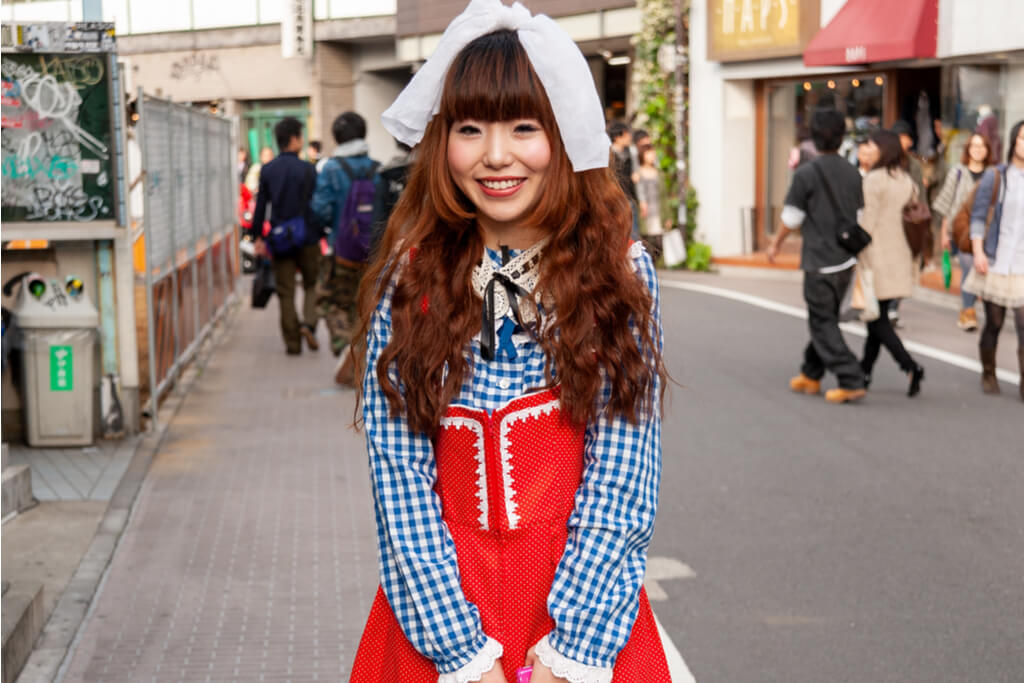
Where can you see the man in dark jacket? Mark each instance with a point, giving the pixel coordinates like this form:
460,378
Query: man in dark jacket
287,183
827,266
339,279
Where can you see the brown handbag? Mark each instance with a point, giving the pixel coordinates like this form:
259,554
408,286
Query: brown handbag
917,226
962,220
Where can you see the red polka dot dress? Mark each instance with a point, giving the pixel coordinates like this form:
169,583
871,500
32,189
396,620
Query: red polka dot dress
511,528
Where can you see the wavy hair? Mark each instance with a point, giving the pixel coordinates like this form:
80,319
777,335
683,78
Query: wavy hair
603,326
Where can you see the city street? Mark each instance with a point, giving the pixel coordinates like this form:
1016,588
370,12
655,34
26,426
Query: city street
796,541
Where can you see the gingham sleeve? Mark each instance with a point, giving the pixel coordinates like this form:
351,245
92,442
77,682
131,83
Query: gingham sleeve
594,597
417,562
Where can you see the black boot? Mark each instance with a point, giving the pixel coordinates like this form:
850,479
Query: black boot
989,383
916,375
1020,364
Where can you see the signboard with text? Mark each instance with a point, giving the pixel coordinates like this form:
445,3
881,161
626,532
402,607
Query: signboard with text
741,30
297,29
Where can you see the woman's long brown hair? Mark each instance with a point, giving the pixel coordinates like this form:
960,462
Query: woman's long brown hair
604,324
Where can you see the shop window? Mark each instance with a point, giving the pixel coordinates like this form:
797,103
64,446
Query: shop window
973,99
787,138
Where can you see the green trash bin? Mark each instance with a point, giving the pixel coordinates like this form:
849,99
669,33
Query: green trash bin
58,329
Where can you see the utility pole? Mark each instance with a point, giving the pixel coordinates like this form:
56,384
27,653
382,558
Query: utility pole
679,107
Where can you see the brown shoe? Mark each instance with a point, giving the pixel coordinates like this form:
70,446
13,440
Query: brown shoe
989,383
840,395
802,384
345,371
310,337
968,321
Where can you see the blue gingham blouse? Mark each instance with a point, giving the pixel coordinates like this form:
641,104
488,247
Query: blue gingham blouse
593,599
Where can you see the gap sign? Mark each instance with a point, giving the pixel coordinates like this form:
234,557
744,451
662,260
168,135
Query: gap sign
61,369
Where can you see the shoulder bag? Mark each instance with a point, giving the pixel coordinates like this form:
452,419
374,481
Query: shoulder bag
917,227
962,222
849,234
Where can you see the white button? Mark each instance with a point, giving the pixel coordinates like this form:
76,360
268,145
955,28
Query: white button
504,383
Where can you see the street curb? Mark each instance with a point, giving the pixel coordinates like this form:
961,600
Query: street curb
52,652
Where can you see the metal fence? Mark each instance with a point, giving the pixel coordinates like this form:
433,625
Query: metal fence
190,231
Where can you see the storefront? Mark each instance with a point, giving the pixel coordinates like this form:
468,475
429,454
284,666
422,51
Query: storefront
931,63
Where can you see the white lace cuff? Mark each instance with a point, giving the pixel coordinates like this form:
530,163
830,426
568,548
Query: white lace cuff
570,669
475,669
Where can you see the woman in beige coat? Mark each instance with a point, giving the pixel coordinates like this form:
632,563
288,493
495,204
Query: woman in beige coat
886,189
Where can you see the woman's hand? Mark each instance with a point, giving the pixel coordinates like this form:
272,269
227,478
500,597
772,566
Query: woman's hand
980,262
541,674
495,675
643,209
946,243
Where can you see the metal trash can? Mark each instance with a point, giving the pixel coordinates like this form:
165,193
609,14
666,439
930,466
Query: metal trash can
58,328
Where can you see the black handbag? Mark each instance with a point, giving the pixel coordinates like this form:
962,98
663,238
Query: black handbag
263,284
849,234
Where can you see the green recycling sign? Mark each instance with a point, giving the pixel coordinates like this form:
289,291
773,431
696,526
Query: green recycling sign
61,368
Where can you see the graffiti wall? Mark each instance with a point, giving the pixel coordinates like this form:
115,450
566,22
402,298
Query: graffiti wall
56,138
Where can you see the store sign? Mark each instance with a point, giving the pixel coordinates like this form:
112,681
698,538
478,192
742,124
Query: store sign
61,369
759,29
297,29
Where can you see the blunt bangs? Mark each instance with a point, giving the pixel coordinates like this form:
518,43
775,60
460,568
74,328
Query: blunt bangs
492,79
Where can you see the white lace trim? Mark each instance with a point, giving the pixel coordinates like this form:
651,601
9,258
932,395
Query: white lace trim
521,269
475,669
481,469
506,454
569,669
636,250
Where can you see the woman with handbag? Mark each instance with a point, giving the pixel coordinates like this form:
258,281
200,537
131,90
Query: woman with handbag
887,189
959,184
997,235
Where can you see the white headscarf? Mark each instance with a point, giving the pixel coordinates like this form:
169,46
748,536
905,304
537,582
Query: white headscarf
555,57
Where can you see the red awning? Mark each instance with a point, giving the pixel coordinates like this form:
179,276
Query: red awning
868,31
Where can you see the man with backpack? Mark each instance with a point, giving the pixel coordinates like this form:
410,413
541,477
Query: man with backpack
343,201
286,182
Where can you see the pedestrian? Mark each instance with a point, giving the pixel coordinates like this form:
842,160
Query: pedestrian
242,165
513,373
625,172
998,273
286,183
818,185
867,155
350,164
887,188
314,154
393,177
913,163
252,176
959,184
648,189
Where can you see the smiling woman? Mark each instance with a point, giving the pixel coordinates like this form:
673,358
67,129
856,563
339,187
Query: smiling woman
512,378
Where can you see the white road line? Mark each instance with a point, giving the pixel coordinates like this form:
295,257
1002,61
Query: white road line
925,350
676,666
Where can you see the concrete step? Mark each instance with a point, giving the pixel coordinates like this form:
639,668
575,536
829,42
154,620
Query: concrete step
17,489
23,621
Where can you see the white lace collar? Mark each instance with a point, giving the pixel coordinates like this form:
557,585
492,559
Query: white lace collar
522,269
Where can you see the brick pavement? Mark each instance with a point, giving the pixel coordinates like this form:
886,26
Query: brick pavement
250,554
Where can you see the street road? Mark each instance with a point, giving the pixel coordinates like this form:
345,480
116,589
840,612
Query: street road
876,542
796,541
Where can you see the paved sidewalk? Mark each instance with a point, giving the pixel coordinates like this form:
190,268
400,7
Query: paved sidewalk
250,554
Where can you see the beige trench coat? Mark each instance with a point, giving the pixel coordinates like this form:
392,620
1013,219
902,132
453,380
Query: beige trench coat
888,256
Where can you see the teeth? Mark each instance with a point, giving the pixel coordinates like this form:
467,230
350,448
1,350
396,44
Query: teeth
500,184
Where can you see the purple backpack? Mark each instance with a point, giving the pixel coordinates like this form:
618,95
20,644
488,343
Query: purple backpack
351,238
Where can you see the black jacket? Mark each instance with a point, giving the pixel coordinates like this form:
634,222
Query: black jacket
286,182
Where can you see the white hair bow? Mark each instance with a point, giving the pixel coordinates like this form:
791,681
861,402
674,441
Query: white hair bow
555,57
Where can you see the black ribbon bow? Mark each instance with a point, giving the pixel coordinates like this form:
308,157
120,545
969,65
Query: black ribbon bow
513,291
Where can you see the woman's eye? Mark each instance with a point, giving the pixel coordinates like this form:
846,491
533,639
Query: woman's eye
468,130
527,128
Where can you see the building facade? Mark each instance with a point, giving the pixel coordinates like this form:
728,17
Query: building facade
759,67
